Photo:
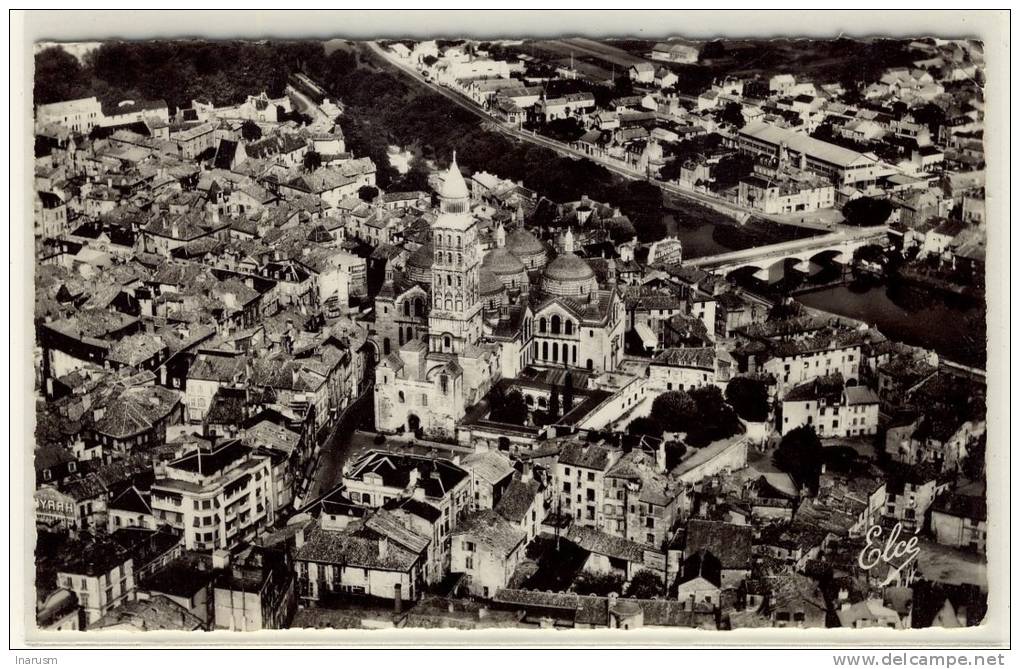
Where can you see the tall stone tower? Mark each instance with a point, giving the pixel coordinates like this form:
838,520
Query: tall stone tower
456,317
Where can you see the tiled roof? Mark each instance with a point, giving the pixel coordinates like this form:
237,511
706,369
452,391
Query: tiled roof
155,613
730,543
209,462
702,564
386,524
131,499
490,466
351,549
517,500
136,410
701,357
596,541
435,475
491,529
586,455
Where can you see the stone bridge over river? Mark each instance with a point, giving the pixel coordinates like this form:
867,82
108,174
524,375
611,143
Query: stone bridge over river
771,261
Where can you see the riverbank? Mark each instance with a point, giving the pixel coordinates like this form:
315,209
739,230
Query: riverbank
952,326
703,231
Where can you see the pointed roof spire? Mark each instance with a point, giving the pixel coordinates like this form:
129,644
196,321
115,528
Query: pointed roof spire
453,183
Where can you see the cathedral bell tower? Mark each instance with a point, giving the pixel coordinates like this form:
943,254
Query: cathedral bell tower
456,317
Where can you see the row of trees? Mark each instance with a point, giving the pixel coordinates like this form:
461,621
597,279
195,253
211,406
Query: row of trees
384,109
178,71
511,407
645,584
701,413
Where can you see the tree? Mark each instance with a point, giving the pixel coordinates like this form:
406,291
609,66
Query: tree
416,177
368,193
568,393
507,407
623,86
564,129
864,211
651,231
429,60
713,50
58,76
931,115
973,465
312,161
251,131
675,451
731,169
554,402
800,455
714,418
590,583
674,410
621,230
749,398
645,426
646,584
733,114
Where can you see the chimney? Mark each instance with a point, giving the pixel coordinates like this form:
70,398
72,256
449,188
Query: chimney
418,493
384,550
220,559
660,457
528,472
397,599
299,538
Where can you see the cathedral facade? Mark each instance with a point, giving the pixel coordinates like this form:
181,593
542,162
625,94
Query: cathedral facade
444,366
455,320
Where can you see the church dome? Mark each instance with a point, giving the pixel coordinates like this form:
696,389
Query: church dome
569,276
522,242
506,267
489,283
419,264
501,261
528,249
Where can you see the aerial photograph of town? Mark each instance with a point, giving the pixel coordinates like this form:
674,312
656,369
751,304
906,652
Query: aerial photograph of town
559,333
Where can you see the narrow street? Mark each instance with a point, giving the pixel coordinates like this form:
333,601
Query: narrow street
337,448
307,106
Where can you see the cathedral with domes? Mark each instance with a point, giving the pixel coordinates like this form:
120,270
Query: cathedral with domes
457,318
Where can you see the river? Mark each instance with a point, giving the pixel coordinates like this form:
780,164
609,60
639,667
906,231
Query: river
953,327
705,232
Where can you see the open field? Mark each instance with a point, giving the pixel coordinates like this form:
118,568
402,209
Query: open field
586,51
603,51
